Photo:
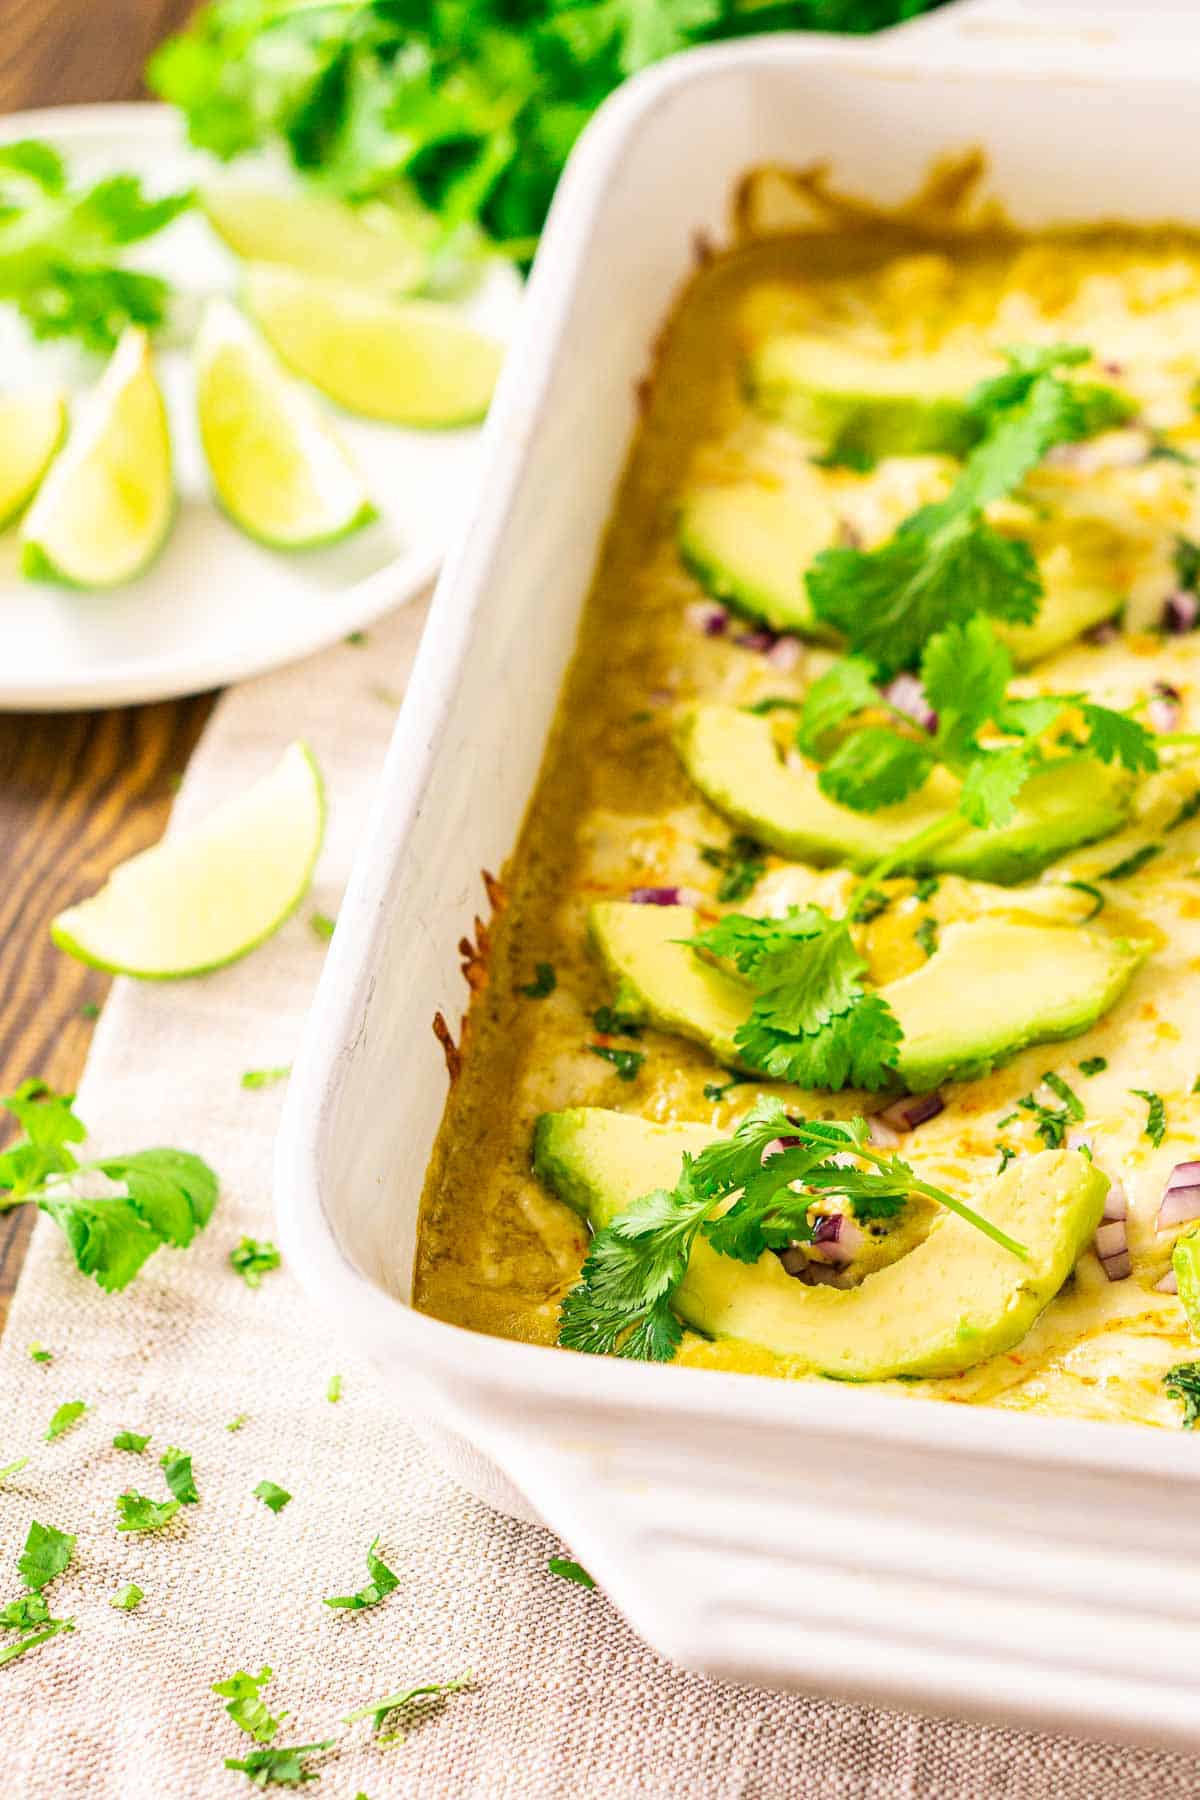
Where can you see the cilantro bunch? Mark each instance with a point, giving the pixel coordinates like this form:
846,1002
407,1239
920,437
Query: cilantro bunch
991,741
61,248
472,104
945,562
160,1196
744,1195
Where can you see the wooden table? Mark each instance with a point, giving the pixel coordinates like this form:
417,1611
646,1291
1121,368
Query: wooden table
78,791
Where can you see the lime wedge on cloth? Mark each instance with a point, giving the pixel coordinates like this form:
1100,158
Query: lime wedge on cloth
32,427
278,470
207,896
103,511
410,363
374,244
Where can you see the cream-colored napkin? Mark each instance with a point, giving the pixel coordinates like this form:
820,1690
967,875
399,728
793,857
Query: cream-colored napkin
567,1703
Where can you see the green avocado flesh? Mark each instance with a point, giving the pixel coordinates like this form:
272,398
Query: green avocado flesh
733,759
859,406
992,987
750,546
954,1300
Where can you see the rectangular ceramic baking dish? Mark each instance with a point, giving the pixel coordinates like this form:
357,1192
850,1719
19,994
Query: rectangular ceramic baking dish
813,1537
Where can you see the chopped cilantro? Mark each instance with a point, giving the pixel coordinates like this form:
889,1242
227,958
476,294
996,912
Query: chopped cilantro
1156,1115
89,1010
128,1597
334,1390
1070,1099
46,1554
774,703
1093,893
926,935
176,1466
236,1424
1007,1153
622,1304
259,1078
25,1613
404,1701
253,1258
132,1441
1051,1122
544,982
868,905
611,1024
1187,564
323,925
40,1354
1129,865
284,1765
13,1468
742,864
717,1090
627,1063
356,638
137,1513
246,1706
64,1417
382,1582
168,1195
1093,1065
271,1495
1182,1382
52,1628
927,886
570,1571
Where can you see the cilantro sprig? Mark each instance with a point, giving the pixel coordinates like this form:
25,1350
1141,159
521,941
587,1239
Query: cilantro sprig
164,1196
62,247
745,1194
946,562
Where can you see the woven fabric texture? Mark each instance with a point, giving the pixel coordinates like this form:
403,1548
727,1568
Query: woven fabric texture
566,1703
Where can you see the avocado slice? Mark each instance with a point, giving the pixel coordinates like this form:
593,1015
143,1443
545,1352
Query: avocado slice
992,987
1072,602
733,759
749,545
951,1302
861,406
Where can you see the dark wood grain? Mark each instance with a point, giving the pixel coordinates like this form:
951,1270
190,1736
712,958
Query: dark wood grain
78,791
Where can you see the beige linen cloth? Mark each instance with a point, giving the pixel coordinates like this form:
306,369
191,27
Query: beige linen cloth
567,1703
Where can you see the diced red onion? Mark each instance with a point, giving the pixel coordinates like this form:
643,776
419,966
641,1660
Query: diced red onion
1116,1206
1163,710
1184,1174
1181,1198
836,1239
761,641
849,535
1180,612
1169,1283
706,617
907,694
785,654
913,1110
1111,1239
881,1135
1106,632
1113,368
665,896
778,1144
1117,1268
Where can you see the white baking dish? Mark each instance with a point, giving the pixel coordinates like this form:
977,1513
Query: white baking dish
816,1537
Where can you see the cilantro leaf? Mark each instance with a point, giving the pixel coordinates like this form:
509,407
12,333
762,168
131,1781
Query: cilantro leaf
260,1078
1156,1115
128,1597
1115,737
23,1614
875,767
382,1583
1066,1093
566,1570
64,1417
965,671
52,1628
1093,1065
742,864
132,1441
627,1063
176,1466
60,248
992,783
253,1258
272,1495
46,1554
1131,864
137,1513
403,1701
334,1391
282,1765
1182,1382
39,1354
246,1707
847,687
544,982
323,925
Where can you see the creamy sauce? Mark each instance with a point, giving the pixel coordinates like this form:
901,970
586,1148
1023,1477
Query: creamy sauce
614,810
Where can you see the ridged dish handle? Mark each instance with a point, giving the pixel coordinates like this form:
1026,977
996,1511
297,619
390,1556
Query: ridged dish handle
1028,1591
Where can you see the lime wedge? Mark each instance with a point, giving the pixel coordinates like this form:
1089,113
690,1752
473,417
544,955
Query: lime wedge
278,470
206,897
32,427
103,512
415,363
375,245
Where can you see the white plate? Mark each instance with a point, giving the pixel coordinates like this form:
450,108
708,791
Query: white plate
215,607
